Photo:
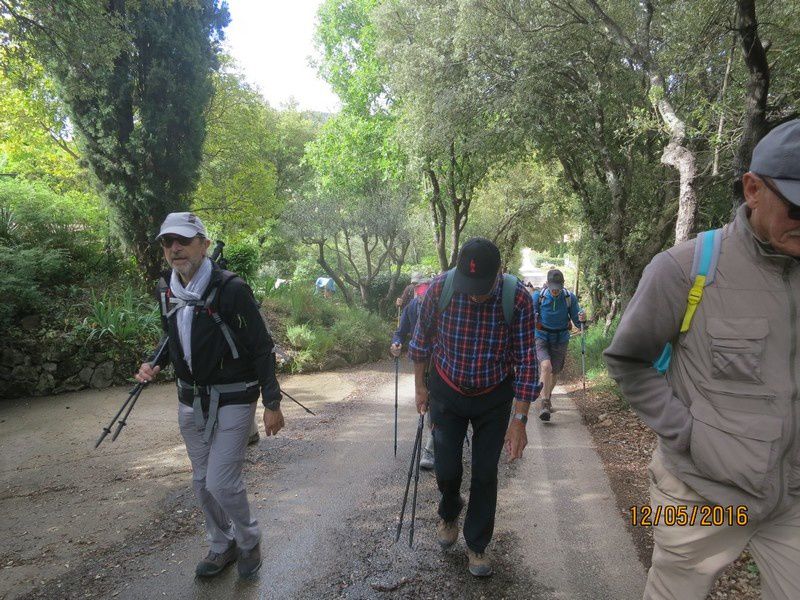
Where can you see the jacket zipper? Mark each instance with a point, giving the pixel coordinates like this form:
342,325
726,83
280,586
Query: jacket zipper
793,371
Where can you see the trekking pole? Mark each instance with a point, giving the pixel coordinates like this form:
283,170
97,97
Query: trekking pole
416,483
396,380
308,410
417,444
132,397
583,357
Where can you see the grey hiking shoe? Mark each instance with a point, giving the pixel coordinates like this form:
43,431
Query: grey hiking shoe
446,533
479,563
253,439
215,562
426,462
249,561
547,408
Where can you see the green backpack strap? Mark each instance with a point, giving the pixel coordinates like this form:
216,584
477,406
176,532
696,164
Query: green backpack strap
509,293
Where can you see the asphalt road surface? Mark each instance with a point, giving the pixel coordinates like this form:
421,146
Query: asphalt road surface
120,522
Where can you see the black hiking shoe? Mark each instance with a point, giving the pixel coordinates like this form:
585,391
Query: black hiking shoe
215,562
249,561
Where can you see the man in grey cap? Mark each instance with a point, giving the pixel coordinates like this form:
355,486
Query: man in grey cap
556,309
726,472
223,358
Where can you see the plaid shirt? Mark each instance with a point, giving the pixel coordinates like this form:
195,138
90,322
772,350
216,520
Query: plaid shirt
472,344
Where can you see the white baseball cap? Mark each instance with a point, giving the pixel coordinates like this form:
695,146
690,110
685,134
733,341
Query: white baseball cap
185,224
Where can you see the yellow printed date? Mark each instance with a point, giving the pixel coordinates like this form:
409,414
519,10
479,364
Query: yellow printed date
681,515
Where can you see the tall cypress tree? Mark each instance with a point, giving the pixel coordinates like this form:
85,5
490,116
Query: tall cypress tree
137,94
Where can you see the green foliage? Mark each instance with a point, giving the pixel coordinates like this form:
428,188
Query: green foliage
125,317
319,329
596,343
25,275
136,79
49,241
243,259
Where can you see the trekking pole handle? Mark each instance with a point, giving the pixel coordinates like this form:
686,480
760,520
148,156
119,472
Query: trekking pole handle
217,250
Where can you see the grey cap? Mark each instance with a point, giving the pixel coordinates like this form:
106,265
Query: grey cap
417,277
777,156
555,279
185,224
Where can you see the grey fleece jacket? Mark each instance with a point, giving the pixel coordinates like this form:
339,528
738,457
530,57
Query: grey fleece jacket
726,413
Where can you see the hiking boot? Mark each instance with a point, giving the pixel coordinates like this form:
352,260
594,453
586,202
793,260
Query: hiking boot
426,462
447,533
253,439
547,408
479,563
249,561
215,562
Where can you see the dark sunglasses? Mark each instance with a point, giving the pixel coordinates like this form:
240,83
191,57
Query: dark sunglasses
794,209
168,240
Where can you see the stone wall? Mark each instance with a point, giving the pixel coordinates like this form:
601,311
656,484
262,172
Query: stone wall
45,364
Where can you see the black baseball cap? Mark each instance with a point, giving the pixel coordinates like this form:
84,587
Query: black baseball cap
555,279
477,267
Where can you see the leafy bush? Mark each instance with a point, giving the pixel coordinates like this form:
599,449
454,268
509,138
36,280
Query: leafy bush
124,317
596,343
243,259
24,275
319,328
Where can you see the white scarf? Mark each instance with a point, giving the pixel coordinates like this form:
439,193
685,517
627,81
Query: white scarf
185,315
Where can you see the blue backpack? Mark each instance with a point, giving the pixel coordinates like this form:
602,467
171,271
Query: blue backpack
704,267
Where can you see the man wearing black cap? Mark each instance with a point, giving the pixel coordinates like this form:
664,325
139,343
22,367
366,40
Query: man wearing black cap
726,414
481,359
555,307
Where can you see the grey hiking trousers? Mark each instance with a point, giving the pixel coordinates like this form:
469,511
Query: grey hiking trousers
217,474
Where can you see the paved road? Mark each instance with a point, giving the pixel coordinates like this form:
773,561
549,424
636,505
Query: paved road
120,522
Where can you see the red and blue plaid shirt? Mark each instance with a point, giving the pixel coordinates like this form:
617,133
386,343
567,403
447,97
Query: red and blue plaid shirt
472,344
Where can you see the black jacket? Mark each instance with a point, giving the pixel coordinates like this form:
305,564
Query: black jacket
212,360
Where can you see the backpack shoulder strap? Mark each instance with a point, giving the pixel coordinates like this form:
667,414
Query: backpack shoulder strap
509,294
447,291
704,267
212,304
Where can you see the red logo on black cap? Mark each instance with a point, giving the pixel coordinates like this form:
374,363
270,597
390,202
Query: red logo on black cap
473,268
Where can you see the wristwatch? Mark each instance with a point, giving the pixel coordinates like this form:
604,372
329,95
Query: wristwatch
521,417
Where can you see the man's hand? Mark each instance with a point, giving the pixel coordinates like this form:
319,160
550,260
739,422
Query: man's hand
394,350
582,316
516,440
273,421
147,373
421,399
399,302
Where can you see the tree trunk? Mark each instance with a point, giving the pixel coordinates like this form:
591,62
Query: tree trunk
439,214
332,274
755,120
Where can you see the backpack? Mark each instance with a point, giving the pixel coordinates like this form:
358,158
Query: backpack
540,299
509,292
211,305
707,248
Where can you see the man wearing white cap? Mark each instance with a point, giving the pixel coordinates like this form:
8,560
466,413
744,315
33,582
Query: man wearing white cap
223,358
726,472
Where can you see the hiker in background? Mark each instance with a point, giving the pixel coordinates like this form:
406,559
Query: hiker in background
475,330
408,321
726,413
326,285
408,292
222,355
556,309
